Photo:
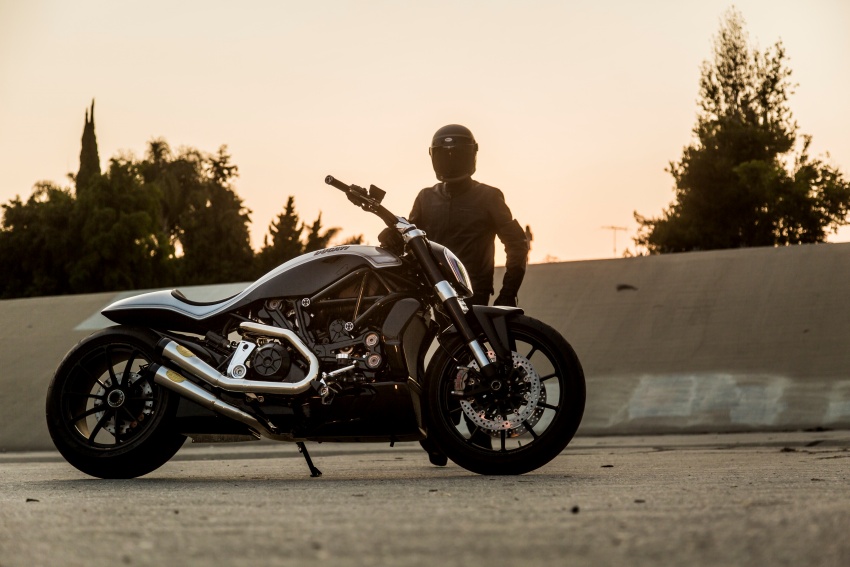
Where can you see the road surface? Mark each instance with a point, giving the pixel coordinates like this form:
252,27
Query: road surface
717,499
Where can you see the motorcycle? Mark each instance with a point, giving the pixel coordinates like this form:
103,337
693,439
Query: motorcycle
329,346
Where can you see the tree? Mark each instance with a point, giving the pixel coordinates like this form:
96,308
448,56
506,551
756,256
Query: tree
286,243
316,239
283,242
35,248
89,157
746,180
119,242
213,230
163,220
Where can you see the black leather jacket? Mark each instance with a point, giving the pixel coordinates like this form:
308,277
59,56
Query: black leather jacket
467,219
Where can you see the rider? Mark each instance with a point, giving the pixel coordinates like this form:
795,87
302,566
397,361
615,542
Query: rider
466,216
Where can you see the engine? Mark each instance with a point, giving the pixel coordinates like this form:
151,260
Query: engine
343,357
271,361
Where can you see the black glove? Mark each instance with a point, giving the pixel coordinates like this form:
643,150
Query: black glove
391,240
506,299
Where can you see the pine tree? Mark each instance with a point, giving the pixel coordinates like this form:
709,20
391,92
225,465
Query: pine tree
316,239
89,158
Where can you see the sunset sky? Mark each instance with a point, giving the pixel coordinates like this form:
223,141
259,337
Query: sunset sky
578,107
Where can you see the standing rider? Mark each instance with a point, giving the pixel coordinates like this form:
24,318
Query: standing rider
466,216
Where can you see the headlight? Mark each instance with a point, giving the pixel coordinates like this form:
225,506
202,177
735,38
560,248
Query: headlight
453,269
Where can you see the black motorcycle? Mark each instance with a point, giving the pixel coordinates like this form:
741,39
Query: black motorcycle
329,346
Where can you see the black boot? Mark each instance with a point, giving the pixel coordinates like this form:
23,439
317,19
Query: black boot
435,455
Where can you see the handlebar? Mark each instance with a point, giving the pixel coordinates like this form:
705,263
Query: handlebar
366,200
331,180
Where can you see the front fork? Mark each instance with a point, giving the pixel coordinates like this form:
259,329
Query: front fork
451,301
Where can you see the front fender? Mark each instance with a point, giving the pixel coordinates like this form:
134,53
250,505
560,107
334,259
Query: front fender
492,322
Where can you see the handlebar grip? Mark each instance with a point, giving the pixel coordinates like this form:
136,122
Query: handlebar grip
331,180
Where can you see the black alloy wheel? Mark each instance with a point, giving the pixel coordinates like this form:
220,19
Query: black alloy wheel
517,422
105,413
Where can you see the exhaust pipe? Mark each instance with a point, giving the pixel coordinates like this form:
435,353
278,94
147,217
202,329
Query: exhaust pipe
174,381
186,360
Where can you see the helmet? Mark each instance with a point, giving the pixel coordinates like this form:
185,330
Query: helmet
453,150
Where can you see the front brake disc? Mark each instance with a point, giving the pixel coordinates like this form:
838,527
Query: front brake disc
526,393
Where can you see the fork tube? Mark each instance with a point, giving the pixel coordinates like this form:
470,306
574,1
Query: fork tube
450,300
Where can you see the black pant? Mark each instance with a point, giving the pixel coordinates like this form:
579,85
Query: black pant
478,299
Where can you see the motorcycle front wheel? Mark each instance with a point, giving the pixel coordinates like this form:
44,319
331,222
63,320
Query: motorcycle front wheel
105,413
522,425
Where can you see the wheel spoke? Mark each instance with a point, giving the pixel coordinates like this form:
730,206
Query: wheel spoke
548,376
531,352
91,376
504,437
529,429
547,406
132,417
117,433
129,366
86,413
109,365
98,427
85,395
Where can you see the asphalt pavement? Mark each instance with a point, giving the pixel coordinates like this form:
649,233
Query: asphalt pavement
715,499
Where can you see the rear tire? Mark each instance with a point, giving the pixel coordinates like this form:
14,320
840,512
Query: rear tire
105,414
522,427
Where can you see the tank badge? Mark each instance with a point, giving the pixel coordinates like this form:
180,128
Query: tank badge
329,250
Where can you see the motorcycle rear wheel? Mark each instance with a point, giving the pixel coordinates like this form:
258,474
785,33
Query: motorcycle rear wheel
105,413
520,429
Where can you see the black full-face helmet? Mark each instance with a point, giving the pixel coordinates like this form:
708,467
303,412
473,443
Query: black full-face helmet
453,151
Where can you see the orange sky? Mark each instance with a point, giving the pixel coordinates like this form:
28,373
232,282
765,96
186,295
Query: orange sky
578,107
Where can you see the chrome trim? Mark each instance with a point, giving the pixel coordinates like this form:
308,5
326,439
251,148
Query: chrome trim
480,356
237,367
411,234
445,290
201,369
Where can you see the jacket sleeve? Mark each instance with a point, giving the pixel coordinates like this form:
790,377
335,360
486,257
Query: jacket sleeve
416,212
516,245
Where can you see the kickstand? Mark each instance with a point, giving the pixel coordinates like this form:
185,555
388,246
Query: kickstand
314,472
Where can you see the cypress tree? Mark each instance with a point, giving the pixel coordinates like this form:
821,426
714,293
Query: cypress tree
89,158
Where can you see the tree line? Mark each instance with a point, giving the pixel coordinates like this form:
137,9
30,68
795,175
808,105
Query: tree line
163,220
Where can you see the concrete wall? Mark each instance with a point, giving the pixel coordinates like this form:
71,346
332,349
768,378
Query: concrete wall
709,341
752,339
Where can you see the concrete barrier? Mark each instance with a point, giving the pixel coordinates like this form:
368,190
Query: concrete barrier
736,340
739,340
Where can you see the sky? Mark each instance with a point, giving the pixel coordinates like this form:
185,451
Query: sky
578,107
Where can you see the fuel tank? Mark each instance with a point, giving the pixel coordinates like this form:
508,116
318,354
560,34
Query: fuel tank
300,277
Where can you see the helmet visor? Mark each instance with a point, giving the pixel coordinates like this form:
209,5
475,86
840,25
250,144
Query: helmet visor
453,161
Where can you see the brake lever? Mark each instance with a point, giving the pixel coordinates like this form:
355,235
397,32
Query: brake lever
360,197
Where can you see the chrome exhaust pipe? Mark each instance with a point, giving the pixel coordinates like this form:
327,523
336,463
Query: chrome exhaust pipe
174,381
186,360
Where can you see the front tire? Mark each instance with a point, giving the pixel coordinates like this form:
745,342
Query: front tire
520,428
105,413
